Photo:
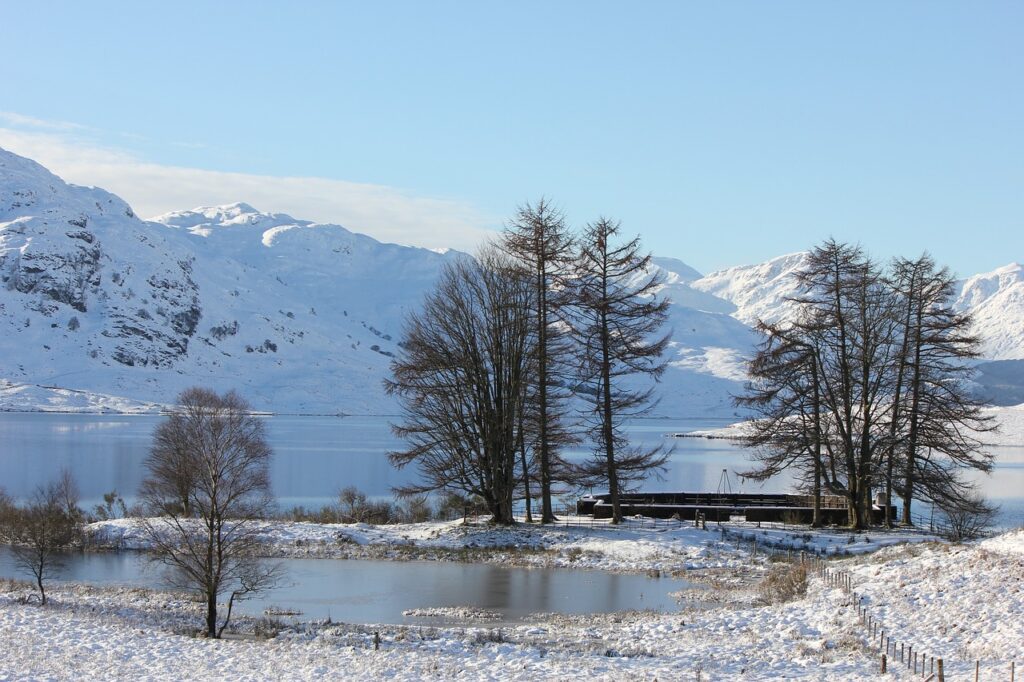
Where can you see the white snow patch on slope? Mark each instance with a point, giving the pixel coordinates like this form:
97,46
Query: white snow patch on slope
996,300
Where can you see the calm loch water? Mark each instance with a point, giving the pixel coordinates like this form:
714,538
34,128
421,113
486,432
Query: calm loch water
314,457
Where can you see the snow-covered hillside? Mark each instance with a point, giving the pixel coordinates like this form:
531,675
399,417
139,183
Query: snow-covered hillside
996,299
297,316
99,308
759,292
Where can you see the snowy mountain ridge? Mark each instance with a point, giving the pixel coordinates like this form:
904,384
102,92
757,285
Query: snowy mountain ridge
102,310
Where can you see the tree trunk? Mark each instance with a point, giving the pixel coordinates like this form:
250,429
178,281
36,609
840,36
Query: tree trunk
227,616
526,483
888,491
547,514
915,409
816,514
211,614
606,419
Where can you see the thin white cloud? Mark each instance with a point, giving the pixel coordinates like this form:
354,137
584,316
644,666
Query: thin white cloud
22,121
383,212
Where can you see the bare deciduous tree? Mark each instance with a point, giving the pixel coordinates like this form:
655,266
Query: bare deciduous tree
967,518
463,381
42,530
785,394
937,412
620,315
207,482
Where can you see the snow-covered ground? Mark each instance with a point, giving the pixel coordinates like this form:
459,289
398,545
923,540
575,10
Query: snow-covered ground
21,397
1010,433
636,547
937,596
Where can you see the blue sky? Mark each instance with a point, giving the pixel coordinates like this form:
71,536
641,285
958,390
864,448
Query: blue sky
724,133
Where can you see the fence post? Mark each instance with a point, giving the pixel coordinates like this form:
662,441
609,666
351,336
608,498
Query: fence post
883,664
977,670
942,678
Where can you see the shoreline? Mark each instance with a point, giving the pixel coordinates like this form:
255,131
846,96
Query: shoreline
935,596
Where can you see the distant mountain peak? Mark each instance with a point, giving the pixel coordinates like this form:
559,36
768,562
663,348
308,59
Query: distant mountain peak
674,266
305,316
203,220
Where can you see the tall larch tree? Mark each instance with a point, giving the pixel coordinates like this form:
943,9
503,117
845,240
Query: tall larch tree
538,239
619,318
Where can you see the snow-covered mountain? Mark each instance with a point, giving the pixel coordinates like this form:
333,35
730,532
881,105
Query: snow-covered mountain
295,315
759,292
102,310
996,299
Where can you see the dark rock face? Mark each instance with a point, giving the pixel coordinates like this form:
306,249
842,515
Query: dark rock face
158,339
66,251
65,276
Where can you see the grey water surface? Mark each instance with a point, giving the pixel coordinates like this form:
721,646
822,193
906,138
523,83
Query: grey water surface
360,591
315,456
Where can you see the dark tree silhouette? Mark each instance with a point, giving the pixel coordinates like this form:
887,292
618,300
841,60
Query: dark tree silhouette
208,482
537,238
619,315
463,380
785,393
871,370
43,529
933,408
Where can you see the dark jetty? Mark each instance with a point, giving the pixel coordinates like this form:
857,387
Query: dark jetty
723,506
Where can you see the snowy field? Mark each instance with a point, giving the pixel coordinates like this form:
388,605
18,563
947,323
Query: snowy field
938,596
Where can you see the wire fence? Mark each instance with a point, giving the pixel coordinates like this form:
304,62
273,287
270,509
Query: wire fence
893,650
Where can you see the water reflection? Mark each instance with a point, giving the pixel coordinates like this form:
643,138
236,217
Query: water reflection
378,591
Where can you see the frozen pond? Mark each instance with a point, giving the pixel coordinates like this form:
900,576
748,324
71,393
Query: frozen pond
378,591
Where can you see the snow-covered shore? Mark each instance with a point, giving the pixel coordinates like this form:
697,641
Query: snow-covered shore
23,397
638,546
936,595
1010,431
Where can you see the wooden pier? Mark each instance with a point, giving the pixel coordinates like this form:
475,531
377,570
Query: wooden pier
724,506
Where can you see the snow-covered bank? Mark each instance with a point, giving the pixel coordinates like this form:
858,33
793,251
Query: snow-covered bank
964,603
1010,433
21,397
936,595
78,639
638,547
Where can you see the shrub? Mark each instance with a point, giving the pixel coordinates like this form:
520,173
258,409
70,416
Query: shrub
967,519
268,628
783,583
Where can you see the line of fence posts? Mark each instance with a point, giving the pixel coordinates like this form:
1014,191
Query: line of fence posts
930,668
